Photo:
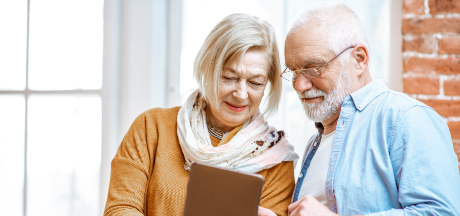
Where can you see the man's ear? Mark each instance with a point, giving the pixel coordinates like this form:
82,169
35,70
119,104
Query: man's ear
361,56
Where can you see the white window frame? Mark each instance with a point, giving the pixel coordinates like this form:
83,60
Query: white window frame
141,59
396,68
27,92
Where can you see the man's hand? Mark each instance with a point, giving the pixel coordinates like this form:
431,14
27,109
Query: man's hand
265,212
309,206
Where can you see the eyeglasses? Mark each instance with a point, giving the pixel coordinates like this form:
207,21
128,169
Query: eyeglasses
311,72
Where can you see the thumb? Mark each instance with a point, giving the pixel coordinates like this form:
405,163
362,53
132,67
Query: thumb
261,211
293,206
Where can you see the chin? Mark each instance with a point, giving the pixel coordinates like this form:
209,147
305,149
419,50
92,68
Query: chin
318,112
236,120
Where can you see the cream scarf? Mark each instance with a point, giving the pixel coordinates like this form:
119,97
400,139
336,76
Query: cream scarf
255,147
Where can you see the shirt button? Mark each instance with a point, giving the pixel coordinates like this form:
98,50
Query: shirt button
300,175
359,107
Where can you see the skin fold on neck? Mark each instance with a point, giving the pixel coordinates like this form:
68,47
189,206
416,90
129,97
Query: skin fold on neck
215,124
331,123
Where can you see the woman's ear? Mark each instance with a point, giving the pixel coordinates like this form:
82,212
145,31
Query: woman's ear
361,56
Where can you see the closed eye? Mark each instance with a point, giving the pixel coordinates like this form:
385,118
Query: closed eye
229,78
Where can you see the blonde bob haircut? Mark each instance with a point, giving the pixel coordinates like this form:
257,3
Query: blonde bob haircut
228,41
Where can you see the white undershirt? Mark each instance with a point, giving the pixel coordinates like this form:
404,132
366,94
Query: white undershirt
314,183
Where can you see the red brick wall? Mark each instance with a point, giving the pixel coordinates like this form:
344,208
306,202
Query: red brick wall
431,58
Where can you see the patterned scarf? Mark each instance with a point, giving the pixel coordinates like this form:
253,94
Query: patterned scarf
255,147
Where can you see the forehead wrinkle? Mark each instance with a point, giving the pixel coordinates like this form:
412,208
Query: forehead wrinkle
293,54
244,72
312,61
305,49
315,58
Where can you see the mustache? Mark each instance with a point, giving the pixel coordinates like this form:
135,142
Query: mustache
313,93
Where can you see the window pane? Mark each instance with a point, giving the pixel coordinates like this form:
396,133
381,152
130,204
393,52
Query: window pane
65,49
64,153
12,119
13,44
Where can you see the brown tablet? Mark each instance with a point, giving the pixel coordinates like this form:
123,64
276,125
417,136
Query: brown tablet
215,191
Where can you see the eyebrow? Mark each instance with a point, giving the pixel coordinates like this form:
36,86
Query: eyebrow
309,62
231,70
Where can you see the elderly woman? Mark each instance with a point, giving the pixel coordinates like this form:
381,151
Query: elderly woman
219,124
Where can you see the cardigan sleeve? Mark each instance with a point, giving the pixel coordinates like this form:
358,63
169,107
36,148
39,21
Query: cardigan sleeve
130,171
278,187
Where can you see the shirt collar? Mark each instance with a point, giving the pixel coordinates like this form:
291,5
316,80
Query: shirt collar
365,95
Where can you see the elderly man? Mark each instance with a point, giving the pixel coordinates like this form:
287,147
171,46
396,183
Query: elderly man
377,151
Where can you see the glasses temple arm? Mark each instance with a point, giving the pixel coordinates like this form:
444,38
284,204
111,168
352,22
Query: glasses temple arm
352,46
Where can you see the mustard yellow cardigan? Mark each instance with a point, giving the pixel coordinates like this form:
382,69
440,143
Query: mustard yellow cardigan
148,176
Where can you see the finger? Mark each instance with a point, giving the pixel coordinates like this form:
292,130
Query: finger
295,212
261,211
293,206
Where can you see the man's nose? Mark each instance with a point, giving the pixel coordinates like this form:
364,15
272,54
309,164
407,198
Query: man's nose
241,91
302,84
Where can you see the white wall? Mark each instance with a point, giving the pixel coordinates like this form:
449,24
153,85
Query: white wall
141,67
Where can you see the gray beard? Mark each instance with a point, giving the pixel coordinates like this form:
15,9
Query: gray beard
332,101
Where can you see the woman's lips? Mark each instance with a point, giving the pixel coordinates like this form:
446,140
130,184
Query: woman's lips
234,107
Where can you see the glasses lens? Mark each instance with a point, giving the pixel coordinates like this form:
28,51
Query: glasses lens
289,75
310,73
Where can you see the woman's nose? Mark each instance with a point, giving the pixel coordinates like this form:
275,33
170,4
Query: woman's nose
302,84
241,92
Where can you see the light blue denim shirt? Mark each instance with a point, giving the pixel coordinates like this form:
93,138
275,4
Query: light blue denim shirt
392,155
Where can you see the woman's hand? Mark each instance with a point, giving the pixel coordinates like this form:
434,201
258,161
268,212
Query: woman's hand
265,212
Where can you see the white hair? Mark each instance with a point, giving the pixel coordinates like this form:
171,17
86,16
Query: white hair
337,22
341,28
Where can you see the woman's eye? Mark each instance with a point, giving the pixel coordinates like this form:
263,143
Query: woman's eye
256,83
229,78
